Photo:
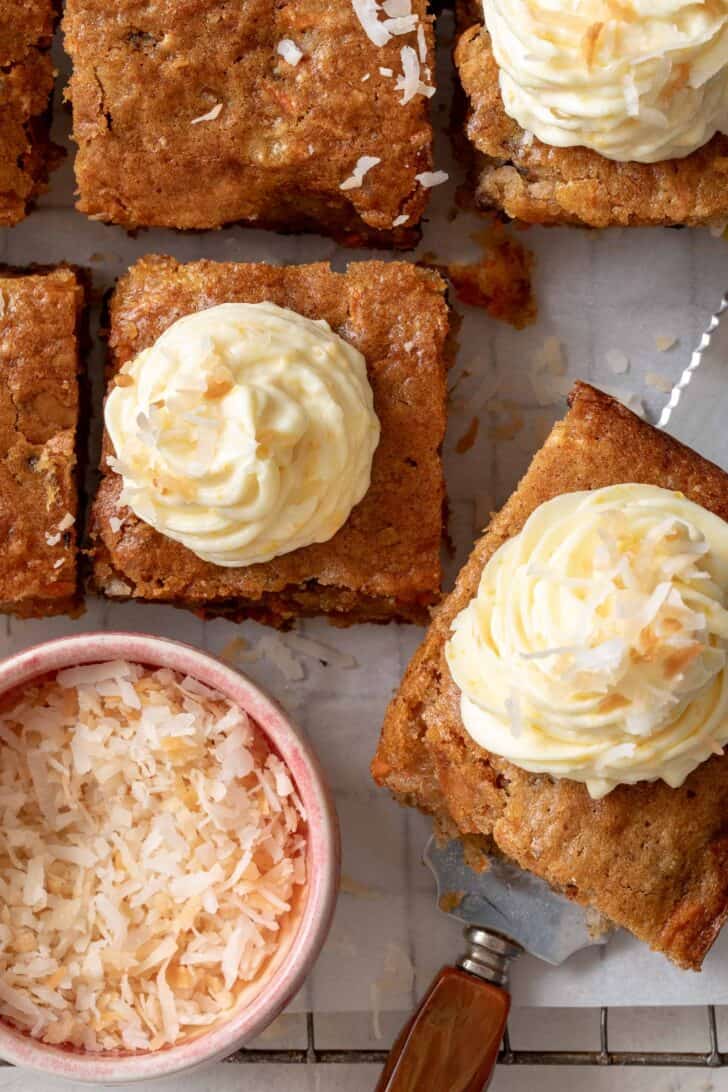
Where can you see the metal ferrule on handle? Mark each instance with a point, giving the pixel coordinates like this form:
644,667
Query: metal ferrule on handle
488,955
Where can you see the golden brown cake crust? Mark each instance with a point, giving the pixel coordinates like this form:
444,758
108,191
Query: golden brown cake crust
286,138
385,562
651,858
39,320
546,185
26,82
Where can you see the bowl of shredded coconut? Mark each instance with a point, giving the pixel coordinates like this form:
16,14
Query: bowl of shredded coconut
169,858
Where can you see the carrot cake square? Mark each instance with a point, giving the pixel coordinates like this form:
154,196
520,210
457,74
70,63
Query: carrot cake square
26,153
629,816
40,314
306,116
302,474
606,119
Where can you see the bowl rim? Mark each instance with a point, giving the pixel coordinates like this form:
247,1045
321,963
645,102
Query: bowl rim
323,856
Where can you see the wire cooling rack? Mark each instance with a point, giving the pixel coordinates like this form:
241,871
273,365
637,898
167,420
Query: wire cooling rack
713,1058
313,1055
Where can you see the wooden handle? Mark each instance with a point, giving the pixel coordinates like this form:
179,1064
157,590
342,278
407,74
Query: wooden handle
451,1043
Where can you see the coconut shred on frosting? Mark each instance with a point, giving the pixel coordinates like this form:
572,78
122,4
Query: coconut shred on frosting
635,80
246,431
596,646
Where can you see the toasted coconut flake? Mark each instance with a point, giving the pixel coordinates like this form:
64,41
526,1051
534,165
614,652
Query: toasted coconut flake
150,848
659,382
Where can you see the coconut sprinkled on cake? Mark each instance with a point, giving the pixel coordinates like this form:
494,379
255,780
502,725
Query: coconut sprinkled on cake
211,115
289,51
381,22
150,850
363,164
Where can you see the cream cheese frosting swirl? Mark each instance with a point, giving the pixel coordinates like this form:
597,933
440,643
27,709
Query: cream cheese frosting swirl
246,431
635,80
596,646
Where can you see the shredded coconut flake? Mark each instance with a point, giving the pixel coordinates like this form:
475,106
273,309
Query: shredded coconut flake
617,361
409,81
395,9
211,115
399,220
53,540
289,51
421,44
150,850
367,12
659,382
428,179
363,164
307,646
386,72
67,521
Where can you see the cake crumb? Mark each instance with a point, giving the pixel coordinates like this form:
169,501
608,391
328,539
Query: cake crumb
349,886
231,652
500,282
510,420
469,437
663,343
659,382
450,901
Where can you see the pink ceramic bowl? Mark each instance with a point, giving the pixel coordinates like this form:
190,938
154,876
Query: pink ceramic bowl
307,932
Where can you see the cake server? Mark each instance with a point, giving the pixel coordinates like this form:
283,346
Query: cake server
696,412
451,1043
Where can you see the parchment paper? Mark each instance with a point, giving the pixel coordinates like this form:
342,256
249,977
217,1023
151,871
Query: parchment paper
597,293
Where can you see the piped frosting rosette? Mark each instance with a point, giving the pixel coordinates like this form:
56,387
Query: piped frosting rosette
596,646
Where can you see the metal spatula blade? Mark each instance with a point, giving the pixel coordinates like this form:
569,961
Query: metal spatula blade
695,412
511,902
